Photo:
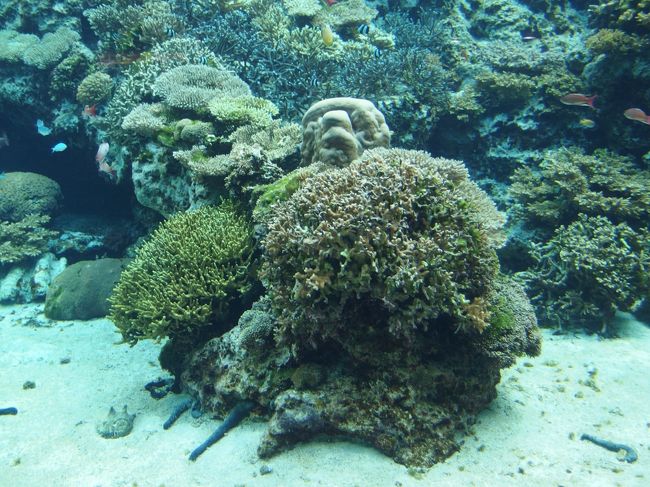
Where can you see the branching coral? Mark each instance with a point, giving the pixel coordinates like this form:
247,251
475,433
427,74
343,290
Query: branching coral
185,277
569,182
397,235
25,238
588,271
125,25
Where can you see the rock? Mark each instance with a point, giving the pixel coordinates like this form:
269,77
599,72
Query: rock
81,291
24,284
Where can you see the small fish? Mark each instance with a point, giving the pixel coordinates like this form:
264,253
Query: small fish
330,2
101,152
42,129
377,52
60,147
586,123
170,31
4,140
578,100
363,29
203,59
529,38
327,34
89,111
105,168
637,114
314,81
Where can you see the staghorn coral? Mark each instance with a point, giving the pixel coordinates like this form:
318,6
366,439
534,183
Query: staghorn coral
185,277
24,238
587,271
192,86
569,182
338,130
94,88
327,260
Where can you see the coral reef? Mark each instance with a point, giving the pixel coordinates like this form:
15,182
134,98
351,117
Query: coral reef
185,277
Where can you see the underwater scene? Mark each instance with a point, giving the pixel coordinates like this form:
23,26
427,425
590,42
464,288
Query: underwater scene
338,243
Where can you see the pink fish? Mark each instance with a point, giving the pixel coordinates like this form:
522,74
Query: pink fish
579,100
637,114
101,152
105,168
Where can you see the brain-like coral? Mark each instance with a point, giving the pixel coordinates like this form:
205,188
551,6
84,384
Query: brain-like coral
185,276
27,193
50,49
338,130
397,235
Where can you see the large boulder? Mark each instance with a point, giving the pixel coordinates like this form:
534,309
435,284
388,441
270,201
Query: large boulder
81,291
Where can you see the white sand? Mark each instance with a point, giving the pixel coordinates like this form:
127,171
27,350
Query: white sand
522,439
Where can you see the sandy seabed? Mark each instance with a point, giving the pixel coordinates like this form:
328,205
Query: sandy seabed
529,436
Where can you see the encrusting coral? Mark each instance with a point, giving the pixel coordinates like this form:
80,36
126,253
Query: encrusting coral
185,277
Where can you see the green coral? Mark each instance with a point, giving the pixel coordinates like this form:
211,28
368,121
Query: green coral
589,270
184,278
268,195
94,88
568,182
329,262
67,75
25,238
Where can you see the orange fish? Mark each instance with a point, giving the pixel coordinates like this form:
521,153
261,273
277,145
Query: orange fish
89,111
637,114
579,100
